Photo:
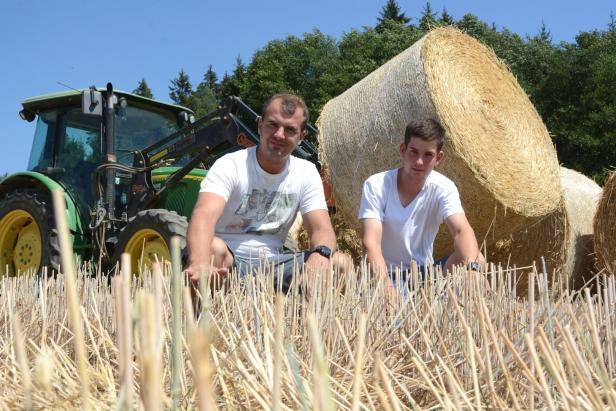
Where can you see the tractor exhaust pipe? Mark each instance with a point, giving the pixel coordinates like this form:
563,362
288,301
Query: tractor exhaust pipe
109,133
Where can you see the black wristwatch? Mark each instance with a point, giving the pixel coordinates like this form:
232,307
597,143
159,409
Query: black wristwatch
324,250
474,266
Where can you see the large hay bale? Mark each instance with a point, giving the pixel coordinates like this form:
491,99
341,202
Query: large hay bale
563,238
605,227
498,153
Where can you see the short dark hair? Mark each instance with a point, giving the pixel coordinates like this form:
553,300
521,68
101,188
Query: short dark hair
289,104
427,129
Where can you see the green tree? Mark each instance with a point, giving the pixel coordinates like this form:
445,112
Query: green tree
232,85
391,12
582,110
544,34
446,18
180,90
428,18
362,52
203,100
211,80
143,89
304,66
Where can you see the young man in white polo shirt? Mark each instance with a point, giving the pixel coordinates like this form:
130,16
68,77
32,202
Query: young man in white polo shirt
401,209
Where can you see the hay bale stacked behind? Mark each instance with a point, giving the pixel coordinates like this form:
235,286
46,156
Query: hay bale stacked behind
499,153
605,228
563,238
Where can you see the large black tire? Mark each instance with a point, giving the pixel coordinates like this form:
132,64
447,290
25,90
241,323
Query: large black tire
28,234
148,234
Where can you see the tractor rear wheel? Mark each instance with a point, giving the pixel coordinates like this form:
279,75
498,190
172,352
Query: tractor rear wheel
147,237
28,235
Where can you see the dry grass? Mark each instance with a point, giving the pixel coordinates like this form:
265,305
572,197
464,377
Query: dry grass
452,342
465,341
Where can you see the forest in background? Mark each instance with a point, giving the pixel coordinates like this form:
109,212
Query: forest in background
572,85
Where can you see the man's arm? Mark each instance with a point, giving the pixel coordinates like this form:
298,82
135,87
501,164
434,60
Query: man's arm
320,232
200,234
371,235
465,245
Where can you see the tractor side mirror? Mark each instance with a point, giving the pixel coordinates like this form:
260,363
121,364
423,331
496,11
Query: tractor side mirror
92,102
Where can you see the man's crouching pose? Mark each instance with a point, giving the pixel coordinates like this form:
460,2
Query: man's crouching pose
249,200
401,209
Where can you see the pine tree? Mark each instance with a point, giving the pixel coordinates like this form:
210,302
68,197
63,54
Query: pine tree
447,18
211,81
231,85
180,90
544,34
204,99
428,18
391,11
143,89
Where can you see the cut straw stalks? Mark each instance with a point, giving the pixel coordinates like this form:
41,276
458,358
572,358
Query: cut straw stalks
452,342
464,341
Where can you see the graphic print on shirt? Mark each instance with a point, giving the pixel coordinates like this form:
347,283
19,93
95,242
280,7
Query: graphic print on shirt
263,212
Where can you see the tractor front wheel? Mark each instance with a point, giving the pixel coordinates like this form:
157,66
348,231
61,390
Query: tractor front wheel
28,235
147,238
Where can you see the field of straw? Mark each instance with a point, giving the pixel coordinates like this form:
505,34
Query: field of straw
455,342
464,341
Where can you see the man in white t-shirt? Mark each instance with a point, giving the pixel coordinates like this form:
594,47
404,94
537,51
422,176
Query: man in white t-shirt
249,200
401,209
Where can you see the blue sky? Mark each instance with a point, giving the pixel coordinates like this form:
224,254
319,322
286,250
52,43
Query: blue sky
79,43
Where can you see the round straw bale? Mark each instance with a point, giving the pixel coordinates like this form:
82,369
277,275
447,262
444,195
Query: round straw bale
498,151
563,238
605,227
347,237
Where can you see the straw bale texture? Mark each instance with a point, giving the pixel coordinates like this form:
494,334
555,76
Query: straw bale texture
348,239
498,153
563,238
605,227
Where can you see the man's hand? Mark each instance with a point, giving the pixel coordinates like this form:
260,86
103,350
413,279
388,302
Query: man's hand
217,275
315,264
392,294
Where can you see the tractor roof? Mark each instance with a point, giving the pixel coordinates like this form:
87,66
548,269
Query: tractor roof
73,97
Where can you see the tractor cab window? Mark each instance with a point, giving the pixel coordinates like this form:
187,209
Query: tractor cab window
81,145
79,151
41,154
138,127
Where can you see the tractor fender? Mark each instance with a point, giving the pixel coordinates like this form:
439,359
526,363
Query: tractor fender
183,196
32,179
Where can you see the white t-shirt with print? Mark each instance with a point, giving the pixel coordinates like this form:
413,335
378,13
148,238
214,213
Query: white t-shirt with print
261,207
409,232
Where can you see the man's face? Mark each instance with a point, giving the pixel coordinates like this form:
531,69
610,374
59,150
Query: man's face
419,157
280,133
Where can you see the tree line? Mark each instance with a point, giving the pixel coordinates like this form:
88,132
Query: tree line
572,84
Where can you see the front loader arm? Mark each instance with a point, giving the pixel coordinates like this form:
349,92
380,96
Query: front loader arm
208,138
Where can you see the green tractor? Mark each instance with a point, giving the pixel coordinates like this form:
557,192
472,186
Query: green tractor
130,169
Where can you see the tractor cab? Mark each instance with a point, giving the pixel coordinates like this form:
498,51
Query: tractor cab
69,144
